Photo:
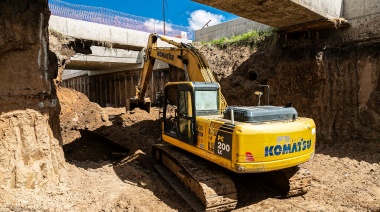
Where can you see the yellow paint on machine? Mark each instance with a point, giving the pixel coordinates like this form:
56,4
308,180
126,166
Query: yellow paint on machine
254,147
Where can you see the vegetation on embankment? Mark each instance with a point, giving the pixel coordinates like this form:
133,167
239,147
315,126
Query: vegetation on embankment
251,39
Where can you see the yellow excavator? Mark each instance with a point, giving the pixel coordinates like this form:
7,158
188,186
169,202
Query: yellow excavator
198,128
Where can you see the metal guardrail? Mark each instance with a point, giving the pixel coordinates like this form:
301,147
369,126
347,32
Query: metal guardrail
115,18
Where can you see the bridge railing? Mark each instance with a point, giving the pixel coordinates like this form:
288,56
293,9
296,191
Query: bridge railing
115,18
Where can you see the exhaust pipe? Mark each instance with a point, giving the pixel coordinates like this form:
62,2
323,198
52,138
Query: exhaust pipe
232,116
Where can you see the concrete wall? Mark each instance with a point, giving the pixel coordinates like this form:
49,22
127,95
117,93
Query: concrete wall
71,73
364,19
354,9
228,29
326,8
105,58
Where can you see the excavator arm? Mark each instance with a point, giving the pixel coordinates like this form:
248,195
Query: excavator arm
183,56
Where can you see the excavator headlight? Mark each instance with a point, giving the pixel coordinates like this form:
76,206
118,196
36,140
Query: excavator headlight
313,131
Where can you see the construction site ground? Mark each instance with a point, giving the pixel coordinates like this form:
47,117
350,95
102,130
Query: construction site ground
102,176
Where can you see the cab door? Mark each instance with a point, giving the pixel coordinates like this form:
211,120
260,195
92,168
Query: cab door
181,124
186,118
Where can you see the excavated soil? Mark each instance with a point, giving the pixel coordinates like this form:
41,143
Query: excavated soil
345,176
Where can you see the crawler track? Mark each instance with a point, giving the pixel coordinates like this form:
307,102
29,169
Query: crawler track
288,182
213,188
299,181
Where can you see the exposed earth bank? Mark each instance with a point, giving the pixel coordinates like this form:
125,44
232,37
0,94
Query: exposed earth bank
338,85
30,152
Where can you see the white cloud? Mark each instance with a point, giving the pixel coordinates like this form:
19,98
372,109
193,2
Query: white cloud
157,25
199,18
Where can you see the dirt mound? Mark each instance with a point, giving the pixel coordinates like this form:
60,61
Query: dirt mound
90,132
77,112
136,130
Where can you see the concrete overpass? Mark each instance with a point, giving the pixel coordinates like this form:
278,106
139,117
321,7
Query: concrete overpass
108,61
286,15
109,49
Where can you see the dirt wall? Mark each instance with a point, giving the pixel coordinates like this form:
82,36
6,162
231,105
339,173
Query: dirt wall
335,84
30,151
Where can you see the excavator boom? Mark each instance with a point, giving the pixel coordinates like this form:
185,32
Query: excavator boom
183,56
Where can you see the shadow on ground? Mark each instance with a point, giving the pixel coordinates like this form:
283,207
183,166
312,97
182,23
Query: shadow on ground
127,148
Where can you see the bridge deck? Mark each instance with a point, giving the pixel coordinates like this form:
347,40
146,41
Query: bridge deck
288,15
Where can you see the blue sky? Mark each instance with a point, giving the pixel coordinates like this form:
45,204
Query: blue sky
178,12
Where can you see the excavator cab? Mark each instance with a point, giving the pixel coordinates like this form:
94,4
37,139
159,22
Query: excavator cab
183,101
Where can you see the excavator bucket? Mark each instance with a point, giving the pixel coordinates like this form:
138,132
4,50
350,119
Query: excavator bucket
132,103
